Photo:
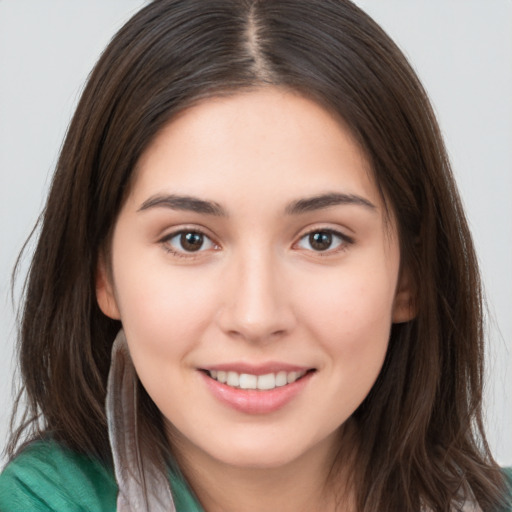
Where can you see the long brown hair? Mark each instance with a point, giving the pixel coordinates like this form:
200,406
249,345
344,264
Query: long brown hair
423,442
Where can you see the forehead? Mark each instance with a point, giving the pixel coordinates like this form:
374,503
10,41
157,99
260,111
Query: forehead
267,141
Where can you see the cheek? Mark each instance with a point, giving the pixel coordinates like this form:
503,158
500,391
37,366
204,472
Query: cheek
162,309
163,318
352,324
351,315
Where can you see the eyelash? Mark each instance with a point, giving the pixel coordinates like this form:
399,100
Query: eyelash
165,241
344,242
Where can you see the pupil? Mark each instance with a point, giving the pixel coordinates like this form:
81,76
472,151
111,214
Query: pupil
320,241
191,241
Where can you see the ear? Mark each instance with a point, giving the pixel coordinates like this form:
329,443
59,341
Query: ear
404,306
105,291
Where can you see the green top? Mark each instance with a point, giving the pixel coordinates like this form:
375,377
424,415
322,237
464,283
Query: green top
46,477
508,476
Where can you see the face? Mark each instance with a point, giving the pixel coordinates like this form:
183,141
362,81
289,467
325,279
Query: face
256,277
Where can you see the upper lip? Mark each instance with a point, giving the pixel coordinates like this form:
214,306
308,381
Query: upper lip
256,369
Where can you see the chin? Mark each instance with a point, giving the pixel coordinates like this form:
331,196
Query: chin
269,450
259,458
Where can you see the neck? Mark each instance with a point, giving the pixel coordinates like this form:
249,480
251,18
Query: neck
306,483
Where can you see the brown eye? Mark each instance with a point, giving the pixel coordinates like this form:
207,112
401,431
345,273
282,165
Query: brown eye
191,241
324,241
187,242
320,241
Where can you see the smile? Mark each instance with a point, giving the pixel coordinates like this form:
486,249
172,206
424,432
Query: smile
253,390
265,382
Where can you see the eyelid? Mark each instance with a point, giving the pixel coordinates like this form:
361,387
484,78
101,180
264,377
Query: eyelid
165,239
346,241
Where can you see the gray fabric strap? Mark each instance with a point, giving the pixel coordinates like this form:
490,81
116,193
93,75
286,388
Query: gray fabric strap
143,486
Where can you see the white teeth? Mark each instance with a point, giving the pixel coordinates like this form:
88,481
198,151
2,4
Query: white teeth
281,379
233,379
247,381
261,382
292,377
267,381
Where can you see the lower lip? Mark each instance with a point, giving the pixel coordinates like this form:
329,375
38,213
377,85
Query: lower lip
251,401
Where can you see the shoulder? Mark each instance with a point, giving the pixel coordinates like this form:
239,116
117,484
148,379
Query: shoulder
47,477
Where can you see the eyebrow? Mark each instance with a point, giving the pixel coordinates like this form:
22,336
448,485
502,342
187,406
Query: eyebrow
194,204
322,201
185,203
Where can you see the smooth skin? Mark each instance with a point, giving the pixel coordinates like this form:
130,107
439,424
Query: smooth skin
254,232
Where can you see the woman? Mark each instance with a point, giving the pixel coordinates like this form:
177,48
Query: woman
254,201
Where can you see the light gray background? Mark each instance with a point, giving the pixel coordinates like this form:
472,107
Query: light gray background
461,49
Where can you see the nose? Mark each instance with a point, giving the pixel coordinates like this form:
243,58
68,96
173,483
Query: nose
257,305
